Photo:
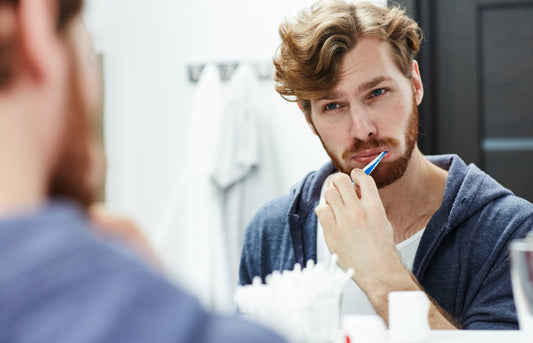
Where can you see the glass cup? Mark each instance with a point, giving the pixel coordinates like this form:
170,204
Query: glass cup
521,252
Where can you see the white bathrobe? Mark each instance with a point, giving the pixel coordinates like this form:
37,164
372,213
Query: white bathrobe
190,239
230,172
246,171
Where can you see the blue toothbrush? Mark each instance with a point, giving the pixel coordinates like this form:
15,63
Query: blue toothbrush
372,165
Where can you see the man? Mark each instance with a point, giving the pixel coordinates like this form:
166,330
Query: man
417,223
59,280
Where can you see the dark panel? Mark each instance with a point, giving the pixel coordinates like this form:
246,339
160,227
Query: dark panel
477,68
426,18
456,97
513,170
507,70
506,79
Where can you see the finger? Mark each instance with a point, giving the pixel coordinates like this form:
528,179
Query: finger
334,201
327,220
367,186
345,188
333,197
326,216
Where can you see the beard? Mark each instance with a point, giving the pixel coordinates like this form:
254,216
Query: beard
388,172
70,175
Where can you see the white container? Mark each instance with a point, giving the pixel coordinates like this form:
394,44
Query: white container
408,317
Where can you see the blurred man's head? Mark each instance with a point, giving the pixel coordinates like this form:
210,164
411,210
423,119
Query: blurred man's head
350,67
49,91
14,13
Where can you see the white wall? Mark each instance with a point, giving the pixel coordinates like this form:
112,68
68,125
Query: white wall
147,46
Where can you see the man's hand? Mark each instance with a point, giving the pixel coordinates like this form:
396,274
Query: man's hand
125,230
356,228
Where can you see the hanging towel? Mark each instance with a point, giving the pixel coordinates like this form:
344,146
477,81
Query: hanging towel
246,170
190,239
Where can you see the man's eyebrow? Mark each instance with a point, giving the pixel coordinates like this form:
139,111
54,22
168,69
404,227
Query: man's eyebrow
362,87
331,96
372,83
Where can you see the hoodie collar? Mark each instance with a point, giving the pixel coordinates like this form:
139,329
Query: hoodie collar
467,189
302,225
306,194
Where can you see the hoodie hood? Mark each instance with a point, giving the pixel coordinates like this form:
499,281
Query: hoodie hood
468,189
306,193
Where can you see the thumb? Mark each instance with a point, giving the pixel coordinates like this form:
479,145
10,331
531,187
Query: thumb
326,217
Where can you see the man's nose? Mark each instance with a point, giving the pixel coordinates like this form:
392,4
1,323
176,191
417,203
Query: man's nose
362,124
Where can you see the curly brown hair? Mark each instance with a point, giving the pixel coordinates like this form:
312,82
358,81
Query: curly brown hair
67,9
313,45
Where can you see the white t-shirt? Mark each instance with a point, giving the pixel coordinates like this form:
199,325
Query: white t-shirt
354,301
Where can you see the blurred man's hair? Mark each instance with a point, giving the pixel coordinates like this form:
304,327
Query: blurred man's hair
313,45
67,9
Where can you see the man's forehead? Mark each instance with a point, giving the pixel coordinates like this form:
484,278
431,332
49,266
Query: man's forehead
366,50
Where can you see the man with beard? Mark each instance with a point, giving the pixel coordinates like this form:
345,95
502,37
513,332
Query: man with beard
60,281
427,223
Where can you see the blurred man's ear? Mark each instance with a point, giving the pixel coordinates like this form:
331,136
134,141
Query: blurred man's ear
39,42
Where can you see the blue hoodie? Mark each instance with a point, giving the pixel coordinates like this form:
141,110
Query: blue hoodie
462,261
60,283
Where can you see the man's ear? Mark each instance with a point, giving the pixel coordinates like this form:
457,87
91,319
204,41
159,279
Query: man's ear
416,79
38,37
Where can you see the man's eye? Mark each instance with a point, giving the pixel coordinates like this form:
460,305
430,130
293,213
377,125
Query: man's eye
378,92
331,106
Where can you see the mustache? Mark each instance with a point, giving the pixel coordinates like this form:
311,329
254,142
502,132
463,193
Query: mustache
372,143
